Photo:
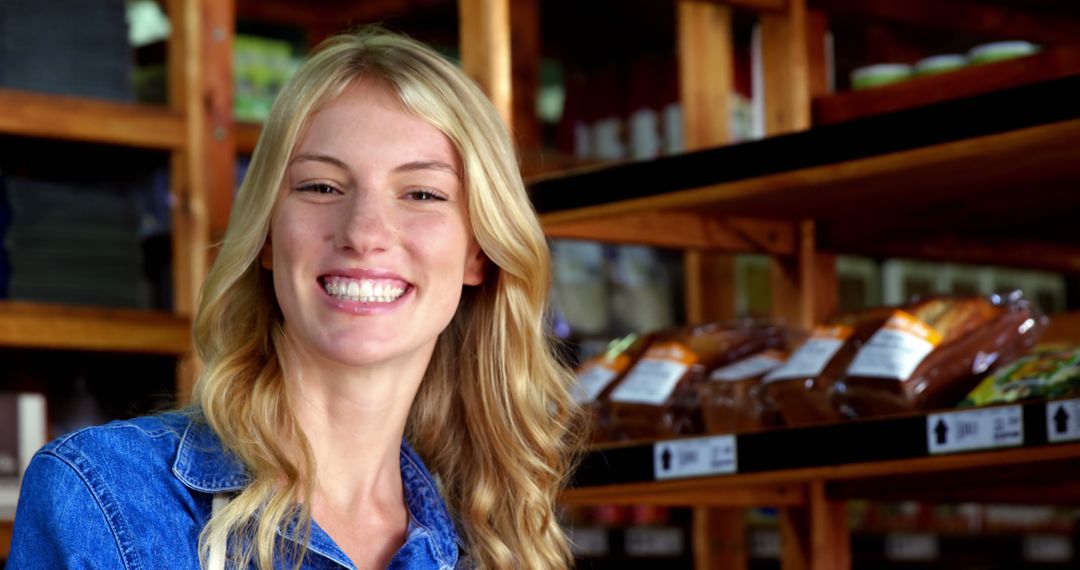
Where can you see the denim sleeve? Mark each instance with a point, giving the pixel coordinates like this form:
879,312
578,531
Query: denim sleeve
59,522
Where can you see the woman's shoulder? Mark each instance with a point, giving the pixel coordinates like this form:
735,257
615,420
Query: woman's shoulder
131,441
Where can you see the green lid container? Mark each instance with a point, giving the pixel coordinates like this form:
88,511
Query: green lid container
879,74
943,63
998,51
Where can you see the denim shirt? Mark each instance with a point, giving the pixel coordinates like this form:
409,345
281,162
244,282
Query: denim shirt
135,494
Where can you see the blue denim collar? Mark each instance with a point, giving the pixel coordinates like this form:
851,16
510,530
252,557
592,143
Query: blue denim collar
202,464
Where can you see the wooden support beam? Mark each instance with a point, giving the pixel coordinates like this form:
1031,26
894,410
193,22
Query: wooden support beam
525,71
719,539
805,285
706,80
677,228
219,152
1014,21
786,66
815,537
485,50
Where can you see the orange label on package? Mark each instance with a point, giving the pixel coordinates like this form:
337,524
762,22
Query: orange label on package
836,332
673,351
907,323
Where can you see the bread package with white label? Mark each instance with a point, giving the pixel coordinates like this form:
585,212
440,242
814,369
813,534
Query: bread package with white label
597,376
731,400
931,355
798,391
658,397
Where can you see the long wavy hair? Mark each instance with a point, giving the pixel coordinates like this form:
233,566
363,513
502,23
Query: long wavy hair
492,419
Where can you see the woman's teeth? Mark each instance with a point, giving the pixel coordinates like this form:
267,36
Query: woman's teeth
362,290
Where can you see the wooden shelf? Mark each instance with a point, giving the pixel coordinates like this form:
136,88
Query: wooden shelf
845,106
47,116
33,325
984,168
884,459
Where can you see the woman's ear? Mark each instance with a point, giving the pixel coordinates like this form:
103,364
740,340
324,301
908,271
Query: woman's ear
266,256
475,267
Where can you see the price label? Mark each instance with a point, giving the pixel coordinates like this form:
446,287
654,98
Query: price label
911,546
952,432
589,541
654,541
1063,420
591,382
695,457
1048,548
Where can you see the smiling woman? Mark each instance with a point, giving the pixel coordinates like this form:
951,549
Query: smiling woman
376,310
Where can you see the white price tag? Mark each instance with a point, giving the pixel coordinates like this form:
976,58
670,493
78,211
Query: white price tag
654,541
951,432
651,381
1048,548
1063,420
589,541
591,382
808,361
911,546
694,457
890,354
746,368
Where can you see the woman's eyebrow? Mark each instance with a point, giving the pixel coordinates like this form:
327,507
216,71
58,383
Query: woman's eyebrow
319,158
426,165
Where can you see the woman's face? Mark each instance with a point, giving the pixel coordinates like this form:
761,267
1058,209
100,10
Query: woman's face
370,244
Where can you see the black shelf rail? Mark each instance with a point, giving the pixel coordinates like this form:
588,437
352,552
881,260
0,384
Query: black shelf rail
862,441
991,113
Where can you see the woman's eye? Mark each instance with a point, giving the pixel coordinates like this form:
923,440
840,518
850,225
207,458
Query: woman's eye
425,195
317,188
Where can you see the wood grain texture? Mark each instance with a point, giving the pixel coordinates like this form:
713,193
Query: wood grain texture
675,228
61,327
60,117
1055,62
485,50
5,538
786,65
219,133
719,538
247,135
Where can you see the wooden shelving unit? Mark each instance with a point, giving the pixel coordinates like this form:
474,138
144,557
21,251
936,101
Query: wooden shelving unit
55,327
40,115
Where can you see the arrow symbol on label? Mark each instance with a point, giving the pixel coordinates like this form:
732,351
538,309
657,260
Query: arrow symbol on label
941,430
1061,420
665,459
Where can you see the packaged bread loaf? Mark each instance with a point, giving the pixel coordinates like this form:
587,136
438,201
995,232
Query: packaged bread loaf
798,391
598,375
931,355
658,397
731,400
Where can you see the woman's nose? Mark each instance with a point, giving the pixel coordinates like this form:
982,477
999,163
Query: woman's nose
365,223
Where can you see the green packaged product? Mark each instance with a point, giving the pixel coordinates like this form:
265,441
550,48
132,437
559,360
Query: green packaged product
1050,371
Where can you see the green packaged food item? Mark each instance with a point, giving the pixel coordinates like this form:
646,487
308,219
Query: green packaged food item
1050,371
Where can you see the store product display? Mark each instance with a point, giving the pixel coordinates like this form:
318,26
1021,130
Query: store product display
1051,371
799,390
737,377
933,354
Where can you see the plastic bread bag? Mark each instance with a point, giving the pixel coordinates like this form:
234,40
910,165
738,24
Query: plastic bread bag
1049,372
596,377
798,391
658,397
731,400
933,354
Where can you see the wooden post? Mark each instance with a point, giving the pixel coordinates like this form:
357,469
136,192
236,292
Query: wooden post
525,72
805,285
485,49
705,84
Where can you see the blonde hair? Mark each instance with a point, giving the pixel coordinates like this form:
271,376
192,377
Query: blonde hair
492,419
